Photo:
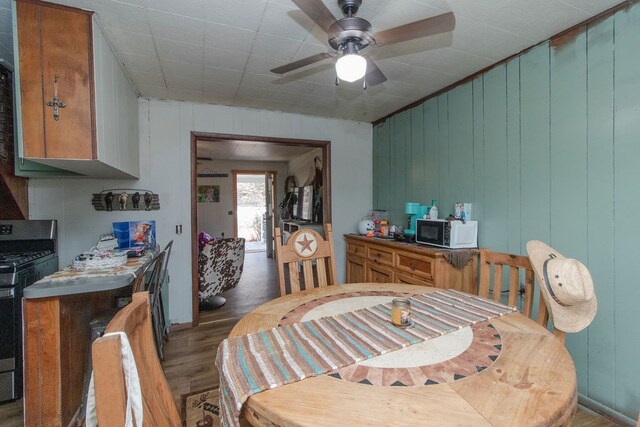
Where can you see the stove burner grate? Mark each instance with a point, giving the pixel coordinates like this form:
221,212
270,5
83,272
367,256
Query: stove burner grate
19,258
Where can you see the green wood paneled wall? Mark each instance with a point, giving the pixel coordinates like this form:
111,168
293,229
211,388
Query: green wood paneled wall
626,171
547,147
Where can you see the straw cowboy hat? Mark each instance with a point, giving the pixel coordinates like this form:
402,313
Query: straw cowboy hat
566,286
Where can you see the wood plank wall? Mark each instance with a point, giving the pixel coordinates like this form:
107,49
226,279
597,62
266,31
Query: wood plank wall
546,146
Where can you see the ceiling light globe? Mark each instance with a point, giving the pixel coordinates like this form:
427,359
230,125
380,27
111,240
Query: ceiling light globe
351,67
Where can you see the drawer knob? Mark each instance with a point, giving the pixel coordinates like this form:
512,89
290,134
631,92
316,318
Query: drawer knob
412,266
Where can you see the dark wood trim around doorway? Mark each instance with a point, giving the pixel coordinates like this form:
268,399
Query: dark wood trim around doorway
204,136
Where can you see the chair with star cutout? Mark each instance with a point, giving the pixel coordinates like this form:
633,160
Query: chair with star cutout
305,260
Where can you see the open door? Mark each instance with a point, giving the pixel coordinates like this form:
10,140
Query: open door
254,199
270,214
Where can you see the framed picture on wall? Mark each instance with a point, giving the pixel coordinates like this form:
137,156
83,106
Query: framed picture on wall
208,193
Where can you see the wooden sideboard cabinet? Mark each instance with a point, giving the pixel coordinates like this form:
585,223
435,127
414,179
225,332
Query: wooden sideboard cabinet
76,109
388,261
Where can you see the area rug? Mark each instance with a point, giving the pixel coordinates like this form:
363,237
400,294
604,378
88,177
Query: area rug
200,409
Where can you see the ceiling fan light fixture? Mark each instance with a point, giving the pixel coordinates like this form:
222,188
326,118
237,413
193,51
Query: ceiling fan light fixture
351,66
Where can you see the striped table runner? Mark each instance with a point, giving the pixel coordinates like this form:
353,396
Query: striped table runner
263,360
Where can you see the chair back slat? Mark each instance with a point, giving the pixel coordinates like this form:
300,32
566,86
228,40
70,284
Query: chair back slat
159,408
514,285
307,268
294,277
314,270
543,314
527,305
485,279
497,284
322,273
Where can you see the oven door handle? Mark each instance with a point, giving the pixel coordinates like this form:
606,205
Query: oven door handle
7,293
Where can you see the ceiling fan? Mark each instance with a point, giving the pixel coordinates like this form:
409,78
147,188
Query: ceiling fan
351,35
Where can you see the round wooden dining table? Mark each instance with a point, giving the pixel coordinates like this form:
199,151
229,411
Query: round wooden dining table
507,371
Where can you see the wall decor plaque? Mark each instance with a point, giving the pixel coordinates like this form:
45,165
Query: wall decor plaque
126,200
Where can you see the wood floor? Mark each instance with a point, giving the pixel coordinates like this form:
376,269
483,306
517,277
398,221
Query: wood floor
189,355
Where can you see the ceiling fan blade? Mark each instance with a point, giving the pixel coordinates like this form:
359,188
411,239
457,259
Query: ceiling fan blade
318,12
300,63
374,76
425,27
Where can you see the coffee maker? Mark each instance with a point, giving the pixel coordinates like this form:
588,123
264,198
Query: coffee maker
411,209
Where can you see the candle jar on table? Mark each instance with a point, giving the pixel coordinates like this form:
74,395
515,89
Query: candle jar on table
401,312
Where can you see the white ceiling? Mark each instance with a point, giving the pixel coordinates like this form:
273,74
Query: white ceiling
221,51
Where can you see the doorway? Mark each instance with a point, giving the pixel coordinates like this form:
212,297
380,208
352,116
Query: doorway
261,149
254,195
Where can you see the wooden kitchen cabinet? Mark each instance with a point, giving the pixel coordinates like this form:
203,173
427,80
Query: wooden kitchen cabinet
376,273
77,111
355,269
356,254
388,261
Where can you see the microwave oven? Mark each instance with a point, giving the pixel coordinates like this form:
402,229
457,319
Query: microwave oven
447,234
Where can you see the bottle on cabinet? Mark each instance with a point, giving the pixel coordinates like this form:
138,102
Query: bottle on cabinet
433,212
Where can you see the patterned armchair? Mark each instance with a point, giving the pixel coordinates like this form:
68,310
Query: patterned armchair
219,269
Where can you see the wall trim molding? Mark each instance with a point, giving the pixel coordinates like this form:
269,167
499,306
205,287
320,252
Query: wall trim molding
598,407
181,326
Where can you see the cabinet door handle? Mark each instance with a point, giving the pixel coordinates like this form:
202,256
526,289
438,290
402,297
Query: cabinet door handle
56,103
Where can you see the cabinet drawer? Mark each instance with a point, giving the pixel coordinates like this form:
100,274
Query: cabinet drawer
379,274
380,255
356,248
418,265
412,280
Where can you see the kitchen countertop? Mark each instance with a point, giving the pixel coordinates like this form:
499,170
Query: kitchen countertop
71,282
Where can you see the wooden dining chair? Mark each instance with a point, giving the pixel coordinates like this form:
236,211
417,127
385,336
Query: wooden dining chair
150,280
150,274
159,408
164,278
493,264
309,260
